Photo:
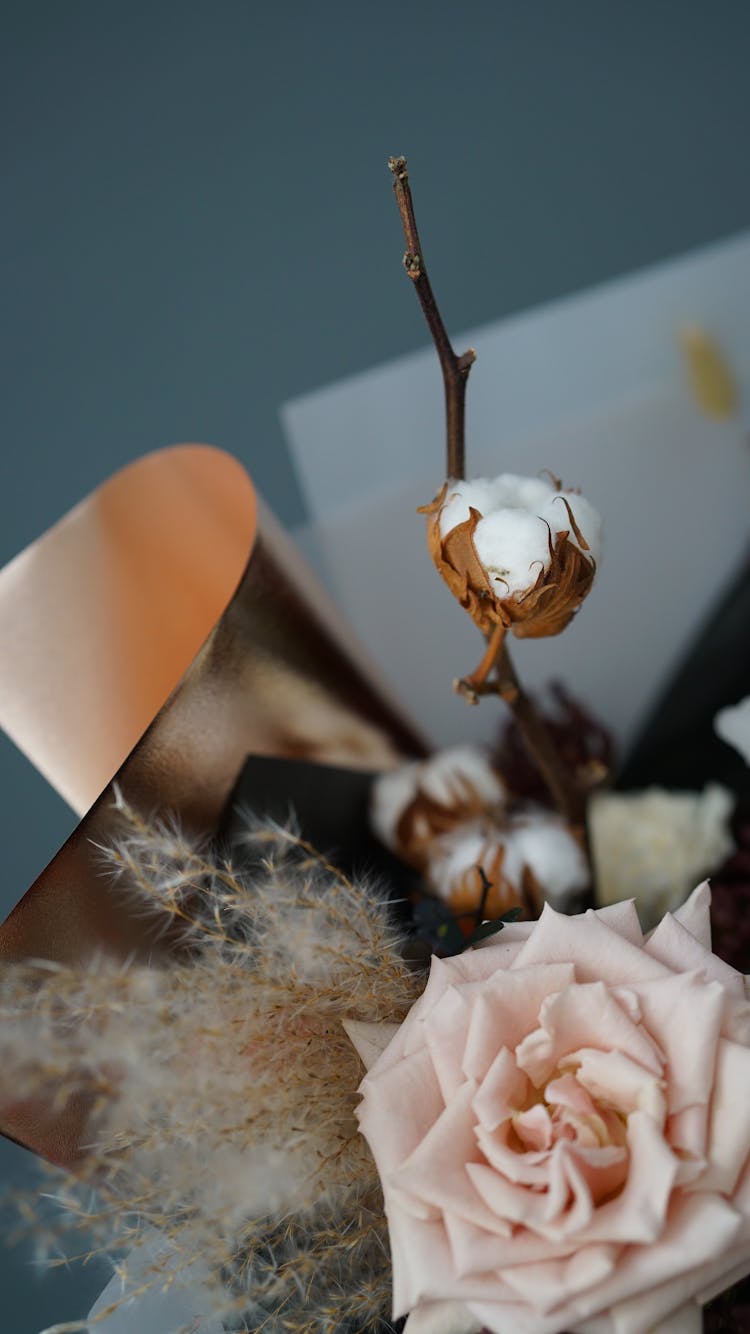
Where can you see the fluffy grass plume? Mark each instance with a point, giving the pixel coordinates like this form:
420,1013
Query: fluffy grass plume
221,1089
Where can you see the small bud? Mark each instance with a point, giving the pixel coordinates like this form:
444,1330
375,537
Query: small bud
518,552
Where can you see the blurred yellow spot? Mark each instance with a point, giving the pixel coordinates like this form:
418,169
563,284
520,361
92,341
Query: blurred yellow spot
711,380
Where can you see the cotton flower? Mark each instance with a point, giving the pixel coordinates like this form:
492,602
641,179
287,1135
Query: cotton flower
413,804
519,553
653,845
560,1126
530,858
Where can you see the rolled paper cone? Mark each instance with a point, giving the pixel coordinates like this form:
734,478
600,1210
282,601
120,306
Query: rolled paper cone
160,632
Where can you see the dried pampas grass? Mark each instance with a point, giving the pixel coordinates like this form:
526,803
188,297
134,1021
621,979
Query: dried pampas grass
221,1090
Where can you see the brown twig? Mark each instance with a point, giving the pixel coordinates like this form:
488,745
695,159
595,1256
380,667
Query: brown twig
569,798
567,795
480,681
455,369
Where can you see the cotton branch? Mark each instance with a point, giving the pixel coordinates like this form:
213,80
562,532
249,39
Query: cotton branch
569,797
455,369
495,674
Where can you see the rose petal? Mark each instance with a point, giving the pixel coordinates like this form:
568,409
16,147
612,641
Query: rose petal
535,1209
534,1127
604,1170
507,1318
478,965
507,1009
622,917
475,1250
598,952
736,1025
675,947
730,1268
408,1037
531,1168
583,1016
445,1030
695,914
549,1283
369,1040
684,1013
686,1132
559,1212
621,1083
688,1320
423,1268
442,1318
729,1132
638,1213
393,1138
513,933
502,1091
444,973
436,1172
692,1237
637,1313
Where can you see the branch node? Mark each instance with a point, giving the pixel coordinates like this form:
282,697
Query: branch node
466,690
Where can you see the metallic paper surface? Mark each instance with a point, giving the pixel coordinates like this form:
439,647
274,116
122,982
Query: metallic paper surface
159,633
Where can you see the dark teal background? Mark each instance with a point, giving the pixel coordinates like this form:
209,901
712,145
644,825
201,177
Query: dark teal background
197,224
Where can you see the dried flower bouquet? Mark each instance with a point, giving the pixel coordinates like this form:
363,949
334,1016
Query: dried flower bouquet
478,1095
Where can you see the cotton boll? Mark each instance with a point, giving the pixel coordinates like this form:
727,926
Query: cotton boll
554,856
537,844
410,806
587,520
462,497
518,553
529,493
467,871
455,854
392,792
514,548
458,770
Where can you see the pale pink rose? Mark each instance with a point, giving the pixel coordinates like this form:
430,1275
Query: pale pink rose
562,1129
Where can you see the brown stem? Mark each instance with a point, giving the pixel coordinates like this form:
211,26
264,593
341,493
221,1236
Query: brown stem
455,369
565,792
568,797
471,687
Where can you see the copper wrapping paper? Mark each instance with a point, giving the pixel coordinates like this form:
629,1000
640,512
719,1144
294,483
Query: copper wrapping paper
159,633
